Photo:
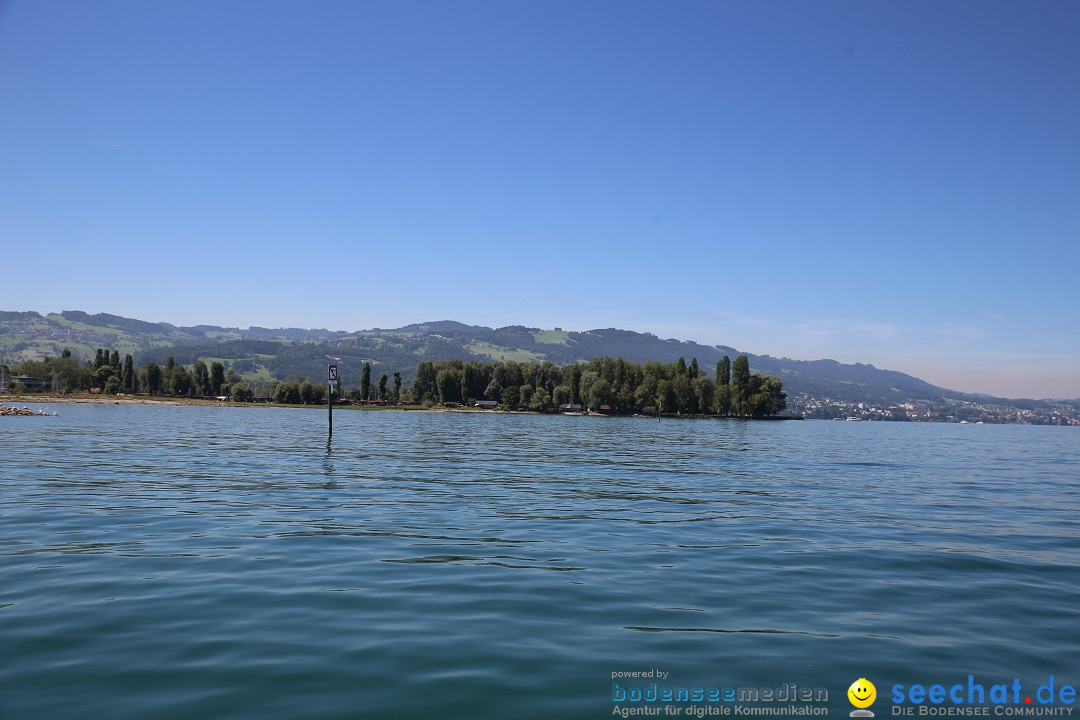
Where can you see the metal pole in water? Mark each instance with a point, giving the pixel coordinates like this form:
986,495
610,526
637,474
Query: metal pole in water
331,381
659,410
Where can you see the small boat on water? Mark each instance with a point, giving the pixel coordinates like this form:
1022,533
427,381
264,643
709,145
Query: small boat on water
854,419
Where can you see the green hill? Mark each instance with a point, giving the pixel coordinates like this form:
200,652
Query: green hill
260,354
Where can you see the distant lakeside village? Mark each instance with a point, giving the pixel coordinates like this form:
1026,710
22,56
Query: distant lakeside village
606,386
956,411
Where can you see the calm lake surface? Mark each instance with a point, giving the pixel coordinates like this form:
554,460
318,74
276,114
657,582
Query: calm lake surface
188,562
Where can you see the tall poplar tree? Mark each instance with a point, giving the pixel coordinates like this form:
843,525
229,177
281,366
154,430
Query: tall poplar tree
153,378
217,377
424,382
129,372
740,385
365,382
166,376
723,371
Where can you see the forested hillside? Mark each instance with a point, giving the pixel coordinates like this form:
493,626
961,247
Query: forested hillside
260,355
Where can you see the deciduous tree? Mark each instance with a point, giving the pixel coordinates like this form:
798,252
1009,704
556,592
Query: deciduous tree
241,392
703,389
102,375
600,393
767,396
113,385
180,381
448,381
200,378
588,379
722,400
423,384
540,400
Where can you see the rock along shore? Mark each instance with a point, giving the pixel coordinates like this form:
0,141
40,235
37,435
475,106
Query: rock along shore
22,412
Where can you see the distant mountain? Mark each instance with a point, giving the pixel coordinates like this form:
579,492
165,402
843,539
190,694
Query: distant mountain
432,327
264,353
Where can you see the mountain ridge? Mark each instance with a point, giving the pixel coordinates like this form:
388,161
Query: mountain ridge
266,353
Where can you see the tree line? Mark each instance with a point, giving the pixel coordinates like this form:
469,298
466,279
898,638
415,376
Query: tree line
604,383
611,384
107,374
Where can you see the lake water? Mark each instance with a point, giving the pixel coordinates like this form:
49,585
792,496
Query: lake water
186,562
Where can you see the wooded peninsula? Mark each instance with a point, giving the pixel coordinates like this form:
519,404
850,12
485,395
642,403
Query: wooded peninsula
601,385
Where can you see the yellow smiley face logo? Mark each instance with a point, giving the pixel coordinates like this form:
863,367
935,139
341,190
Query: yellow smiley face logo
862,693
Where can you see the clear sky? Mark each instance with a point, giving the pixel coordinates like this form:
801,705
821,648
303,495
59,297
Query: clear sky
895,183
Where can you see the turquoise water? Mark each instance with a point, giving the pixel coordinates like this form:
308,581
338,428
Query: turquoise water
182,562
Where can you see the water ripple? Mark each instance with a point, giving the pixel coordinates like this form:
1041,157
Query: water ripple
231,563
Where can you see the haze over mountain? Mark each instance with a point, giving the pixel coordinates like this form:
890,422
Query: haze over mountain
264,353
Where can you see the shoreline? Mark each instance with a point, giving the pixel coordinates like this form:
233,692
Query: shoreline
106,400
85,399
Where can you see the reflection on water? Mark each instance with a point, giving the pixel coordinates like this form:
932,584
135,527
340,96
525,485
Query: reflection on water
234,562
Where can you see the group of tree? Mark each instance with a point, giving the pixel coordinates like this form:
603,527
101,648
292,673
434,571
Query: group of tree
605,383
196,380
298,392
106,374
380,391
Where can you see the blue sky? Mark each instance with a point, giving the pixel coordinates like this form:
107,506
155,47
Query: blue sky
892,183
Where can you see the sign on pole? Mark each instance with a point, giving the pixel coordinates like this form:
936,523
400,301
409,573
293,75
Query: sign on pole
331,377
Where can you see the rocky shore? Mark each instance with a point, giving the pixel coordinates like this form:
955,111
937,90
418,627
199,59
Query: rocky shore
23,412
